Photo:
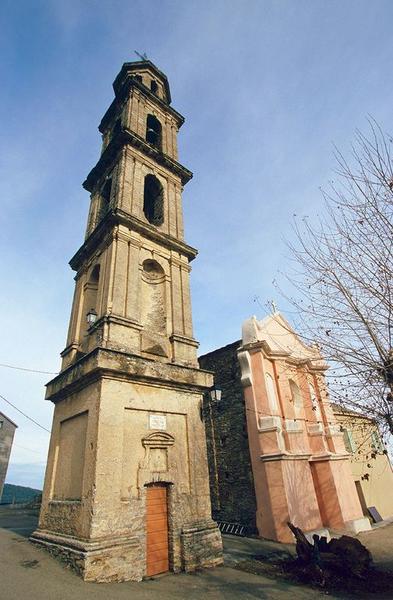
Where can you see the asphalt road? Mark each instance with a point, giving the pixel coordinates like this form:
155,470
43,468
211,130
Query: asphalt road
27,572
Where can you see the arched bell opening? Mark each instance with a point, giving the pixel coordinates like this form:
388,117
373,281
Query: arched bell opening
154,86
153,200
153,131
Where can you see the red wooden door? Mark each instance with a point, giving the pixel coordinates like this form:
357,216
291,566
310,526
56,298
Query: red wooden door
157,559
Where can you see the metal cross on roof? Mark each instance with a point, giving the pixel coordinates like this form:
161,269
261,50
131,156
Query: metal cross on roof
141,56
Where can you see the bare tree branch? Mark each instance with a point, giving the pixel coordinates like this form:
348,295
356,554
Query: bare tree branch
343,277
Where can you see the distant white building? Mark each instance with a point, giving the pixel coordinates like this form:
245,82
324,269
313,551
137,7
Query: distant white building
7,431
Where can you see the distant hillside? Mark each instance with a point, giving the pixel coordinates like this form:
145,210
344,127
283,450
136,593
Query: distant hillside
17,494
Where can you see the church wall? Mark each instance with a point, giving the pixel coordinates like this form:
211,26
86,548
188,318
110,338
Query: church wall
368,460
274,397
231,475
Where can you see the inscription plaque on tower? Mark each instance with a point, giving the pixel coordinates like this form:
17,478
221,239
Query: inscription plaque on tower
157,422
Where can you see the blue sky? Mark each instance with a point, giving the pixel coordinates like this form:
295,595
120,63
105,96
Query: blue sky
266,88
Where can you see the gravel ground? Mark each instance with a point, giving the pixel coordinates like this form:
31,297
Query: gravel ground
29,572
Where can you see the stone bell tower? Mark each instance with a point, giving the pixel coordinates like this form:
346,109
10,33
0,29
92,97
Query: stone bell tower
126,490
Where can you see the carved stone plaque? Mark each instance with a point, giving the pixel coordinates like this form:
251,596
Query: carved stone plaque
157,422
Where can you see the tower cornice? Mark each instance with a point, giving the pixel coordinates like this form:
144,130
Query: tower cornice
114,364
124,138
135,66
119,217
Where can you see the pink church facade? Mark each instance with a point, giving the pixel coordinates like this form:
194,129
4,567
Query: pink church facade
276,452
300,466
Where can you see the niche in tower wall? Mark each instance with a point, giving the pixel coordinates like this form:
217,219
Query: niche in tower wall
153,200
70,458
153,309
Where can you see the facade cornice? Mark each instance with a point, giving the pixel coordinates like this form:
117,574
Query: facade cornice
328,456
105,229
313,365
274,456
264,346
111,153
341,411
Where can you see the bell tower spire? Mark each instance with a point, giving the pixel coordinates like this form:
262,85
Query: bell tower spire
127,438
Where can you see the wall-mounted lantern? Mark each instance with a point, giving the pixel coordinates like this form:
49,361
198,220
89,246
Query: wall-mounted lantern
215,394
91,317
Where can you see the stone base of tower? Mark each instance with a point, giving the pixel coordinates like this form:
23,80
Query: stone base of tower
128,441
124,559
113,560
201,546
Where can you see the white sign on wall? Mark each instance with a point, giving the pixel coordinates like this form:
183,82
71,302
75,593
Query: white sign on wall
157,422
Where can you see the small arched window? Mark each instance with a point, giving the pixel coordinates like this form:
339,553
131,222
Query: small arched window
138,78
153,131
154,86
296,397
153,200
271,393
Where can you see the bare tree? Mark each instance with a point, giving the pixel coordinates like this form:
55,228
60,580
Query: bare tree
344,275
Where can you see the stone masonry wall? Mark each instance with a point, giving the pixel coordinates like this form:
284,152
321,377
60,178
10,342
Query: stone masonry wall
230,471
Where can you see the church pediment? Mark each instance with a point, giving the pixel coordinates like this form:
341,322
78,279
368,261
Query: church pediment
278,339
